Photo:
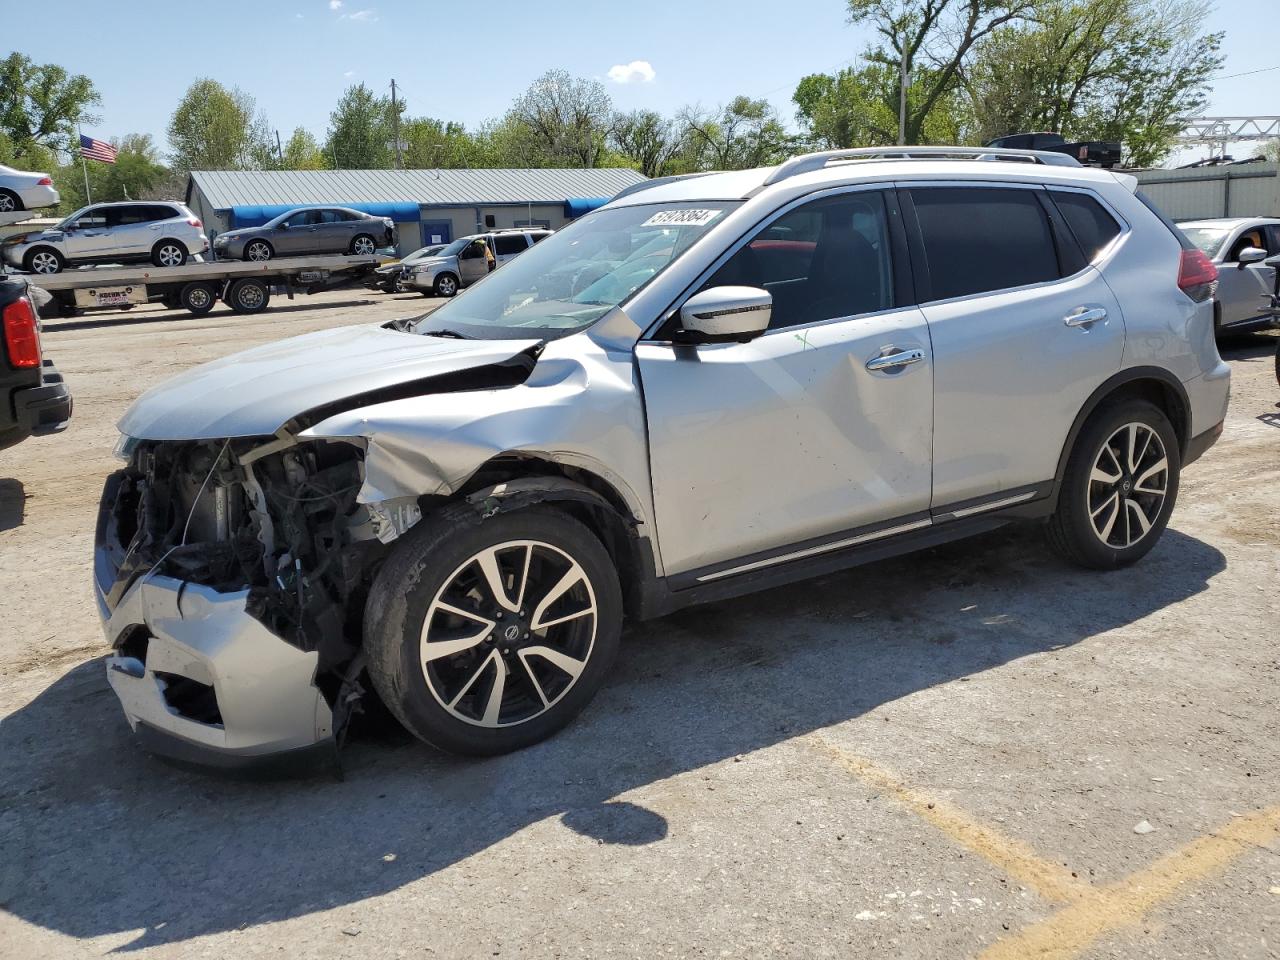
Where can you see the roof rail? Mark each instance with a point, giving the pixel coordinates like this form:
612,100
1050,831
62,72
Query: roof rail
808,162
657,182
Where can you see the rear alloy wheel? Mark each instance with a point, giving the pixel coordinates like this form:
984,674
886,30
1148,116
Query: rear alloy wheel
43,260
363,246
446,285
258,251
1119,489
484,637
168,253
248,296
10,202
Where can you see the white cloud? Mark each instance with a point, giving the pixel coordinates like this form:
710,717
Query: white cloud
335,4
364,16
349,73
636,70
299,16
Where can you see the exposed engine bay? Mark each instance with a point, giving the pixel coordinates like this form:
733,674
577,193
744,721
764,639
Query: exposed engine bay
276,517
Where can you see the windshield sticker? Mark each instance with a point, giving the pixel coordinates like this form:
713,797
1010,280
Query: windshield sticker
681,218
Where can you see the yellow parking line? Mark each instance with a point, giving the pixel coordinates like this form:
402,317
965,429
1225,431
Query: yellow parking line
1074,927
1014,857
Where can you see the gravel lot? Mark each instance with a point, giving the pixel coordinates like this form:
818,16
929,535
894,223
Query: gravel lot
944,755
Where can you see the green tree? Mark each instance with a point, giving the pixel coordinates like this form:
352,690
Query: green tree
647,141
1270,150
360,129
560,121
938,35
432,143
1124,70
213,128
741,134
858,107
40,105
302,152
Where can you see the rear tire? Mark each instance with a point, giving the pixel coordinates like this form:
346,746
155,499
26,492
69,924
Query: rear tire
507,682
197,298
1119,488
10,202
168,253
44,260
248,296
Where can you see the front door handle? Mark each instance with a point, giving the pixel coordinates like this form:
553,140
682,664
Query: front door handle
899,358
1083,317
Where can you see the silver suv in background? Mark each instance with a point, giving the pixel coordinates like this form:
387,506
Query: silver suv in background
464,261
774,373
162,232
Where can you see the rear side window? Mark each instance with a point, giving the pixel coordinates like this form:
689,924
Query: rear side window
124,216
979,239
507,244
1093,227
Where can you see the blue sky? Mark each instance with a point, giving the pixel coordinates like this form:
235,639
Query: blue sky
295,57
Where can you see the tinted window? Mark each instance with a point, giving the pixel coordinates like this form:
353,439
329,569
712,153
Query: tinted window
507,244
160,211
93,219
978,239
301,218
826,259
124,216
1089,221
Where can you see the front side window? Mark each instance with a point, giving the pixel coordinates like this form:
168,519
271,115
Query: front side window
578,274
826,259
1093,227
982,239
91,218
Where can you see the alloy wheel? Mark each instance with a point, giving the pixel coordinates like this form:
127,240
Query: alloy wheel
44,262
258,251
362,246
6,203
447,286
509,633
1128,485
169,255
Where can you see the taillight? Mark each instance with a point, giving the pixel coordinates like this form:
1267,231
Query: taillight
44,182
21,336
1197,276
195,222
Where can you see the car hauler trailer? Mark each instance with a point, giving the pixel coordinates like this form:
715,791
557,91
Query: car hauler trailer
245,287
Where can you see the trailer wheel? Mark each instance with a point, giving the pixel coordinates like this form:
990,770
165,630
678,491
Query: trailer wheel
197,298
248,296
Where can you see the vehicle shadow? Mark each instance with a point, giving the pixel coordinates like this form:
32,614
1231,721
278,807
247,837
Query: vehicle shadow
97,838
1247,346
13,503
135,318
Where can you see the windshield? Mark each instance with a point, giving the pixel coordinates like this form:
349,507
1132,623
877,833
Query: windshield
422,252
575,276
1208,239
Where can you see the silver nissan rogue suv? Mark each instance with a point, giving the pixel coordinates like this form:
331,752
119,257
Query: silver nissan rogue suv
765,375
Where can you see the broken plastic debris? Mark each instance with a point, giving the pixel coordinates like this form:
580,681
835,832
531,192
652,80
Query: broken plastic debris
1144,827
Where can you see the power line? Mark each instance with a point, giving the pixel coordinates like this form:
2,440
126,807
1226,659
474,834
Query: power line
1247,73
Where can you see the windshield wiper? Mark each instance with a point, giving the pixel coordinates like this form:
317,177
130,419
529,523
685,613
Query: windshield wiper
452,334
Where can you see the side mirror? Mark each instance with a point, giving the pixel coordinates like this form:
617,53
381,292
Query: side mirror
283,225
1250,255
725,315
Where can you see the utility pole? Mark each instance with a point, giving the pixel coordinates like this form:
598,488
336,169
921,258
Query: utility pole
902,98
395,125
279,149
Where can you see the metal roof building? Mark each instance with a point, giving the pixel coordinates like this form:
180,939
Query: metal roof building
429,206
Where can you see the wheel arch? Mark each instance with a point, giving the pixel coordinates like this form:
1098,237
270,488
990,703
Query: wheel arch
1154,384
508,483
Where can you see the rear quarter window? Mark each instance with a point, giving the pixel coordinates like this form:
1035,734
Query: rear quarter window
1093,226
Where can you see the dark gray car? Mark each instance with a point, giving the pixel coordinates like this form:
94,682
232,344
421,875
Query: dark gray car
306,231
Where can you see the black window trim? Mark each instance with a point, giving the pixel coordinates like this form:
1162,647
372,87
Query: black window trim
920,261
903,285
1110,249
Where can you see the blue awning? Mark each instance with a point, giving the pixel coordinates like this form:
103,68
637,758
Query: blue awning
577,206
257,215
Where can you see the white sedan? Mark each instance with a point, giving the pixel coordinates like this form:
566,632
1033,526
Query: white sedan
20,190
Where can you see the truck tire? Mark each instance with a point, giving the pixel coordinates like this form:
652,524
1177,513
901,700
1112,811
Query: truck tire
248,296
197,298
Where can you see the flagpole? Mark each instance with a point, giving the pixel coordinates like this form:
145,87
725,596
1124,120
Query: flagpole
88,197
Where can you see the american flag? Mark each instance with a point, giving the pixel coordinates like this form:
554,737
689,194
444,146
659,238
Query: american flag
97,149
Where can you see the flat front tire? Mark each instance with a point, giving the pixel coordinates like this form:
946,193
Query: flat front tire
1119,487
486,636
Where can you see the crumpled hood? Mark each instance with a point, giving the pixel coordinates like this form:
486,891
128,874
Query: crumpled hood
256,392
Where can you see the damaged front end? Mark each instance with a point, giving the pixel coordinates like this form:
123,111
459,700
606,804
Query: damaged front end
231,577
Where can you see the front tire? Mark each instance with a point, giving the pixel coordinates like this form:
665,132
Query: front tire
258,251
486,636
363,246
1119,488
446,285
45,260
168,253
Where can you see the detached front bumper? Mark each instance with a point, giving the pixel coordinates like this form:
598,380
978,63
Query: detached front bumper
202,681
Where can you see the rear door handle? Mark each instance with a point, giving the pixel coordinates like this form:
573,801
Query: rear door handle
900,358
1083,317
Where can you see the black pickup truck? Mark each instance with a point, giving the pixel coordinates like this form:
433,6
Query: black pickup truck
34,400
